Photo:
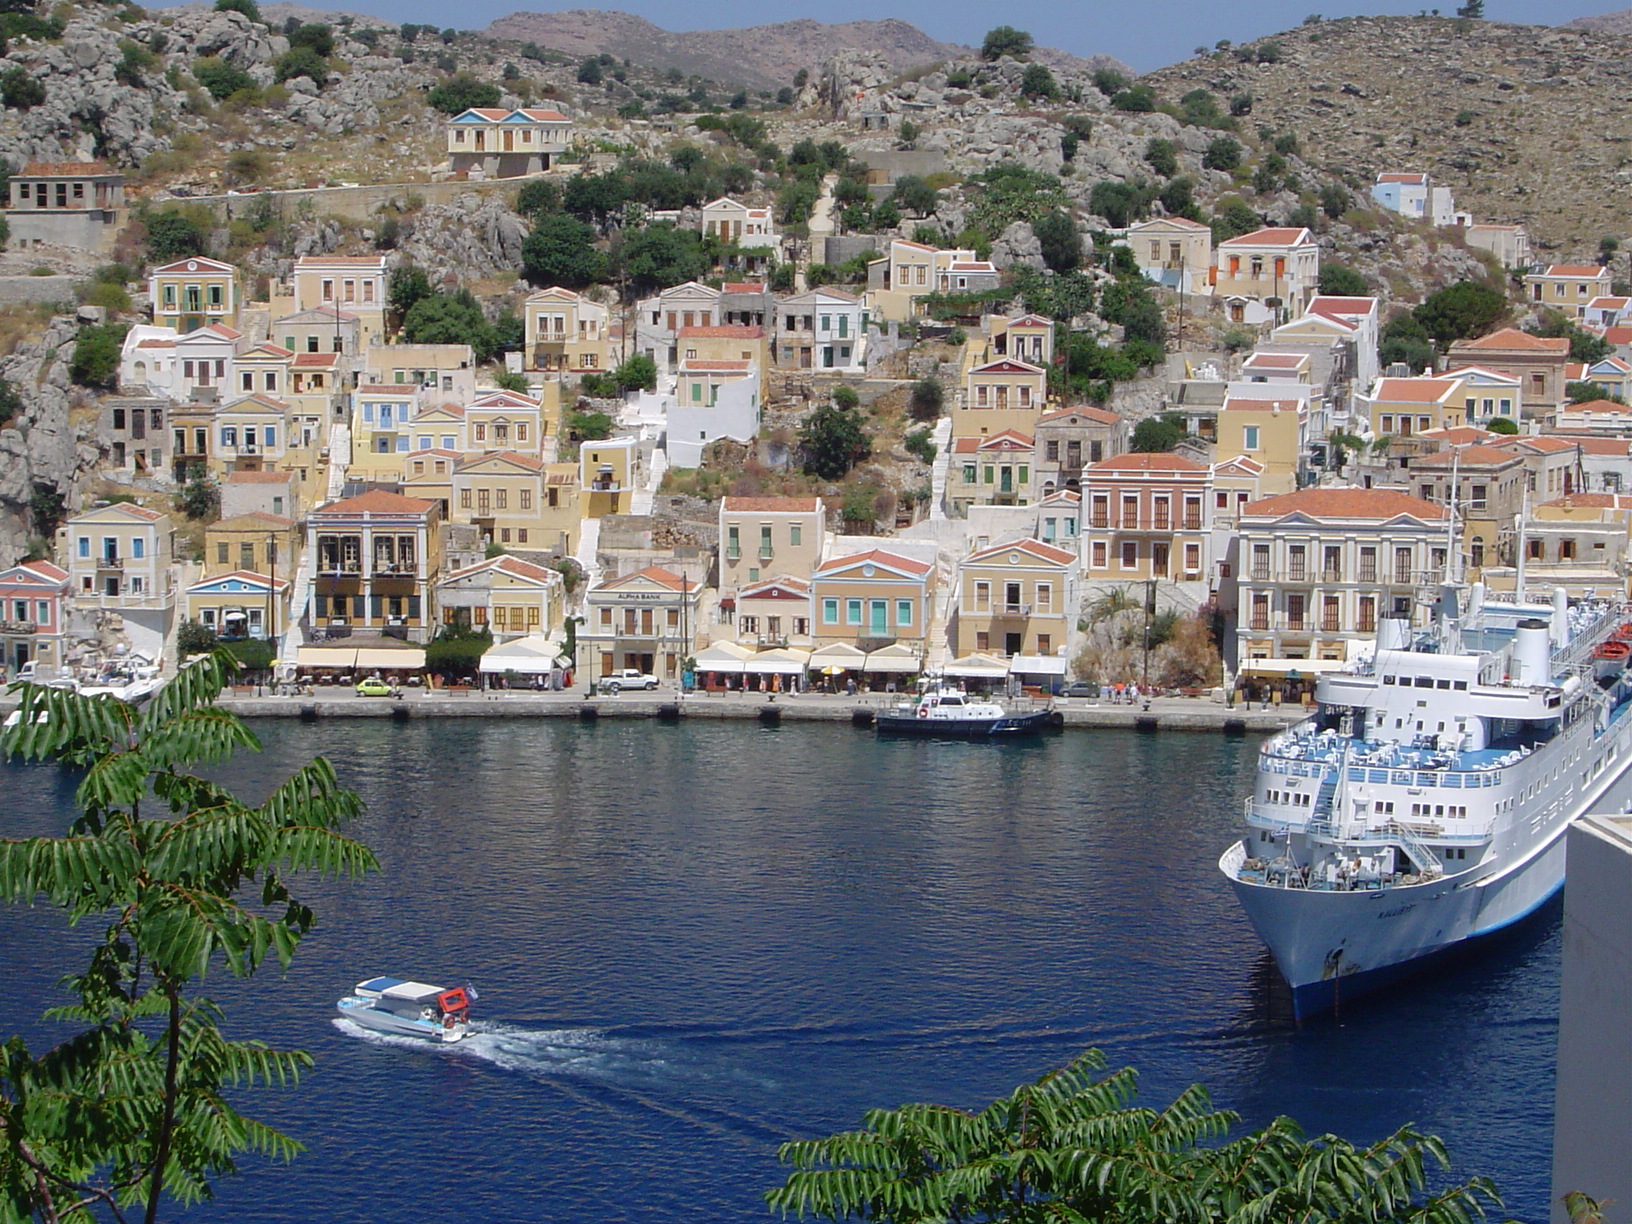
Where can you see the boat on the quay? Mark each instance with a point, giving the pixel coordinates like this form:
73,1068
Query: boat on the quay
1424,803
952,713
410,1009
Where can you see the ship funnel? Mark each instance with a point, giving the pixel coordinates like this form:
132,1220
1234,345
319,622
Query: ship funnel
1532,653
1476,597
1561,619
1393,634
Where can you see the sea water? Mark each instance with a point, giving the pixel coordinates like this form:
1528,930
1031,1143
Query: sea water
695,942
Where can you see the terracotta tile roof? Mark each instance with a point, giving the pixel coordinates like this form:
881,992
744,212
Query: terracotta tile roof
1577,270
339,261
516,566
1035,548
45,169
1412,390
1008,439
878,556
377,501
543,115
1273,235
965,446
456,410
1418,179
46,569
1513,338
716,367
1550,445
1609,303
785,581
1328,304
743,287
155,344
1345,503
1591,501
257,477
127,508
392,389
527,461
1253,403
1008,365
1175,222
1597,405
1460,435
1099,415
1277,361
1147,462
916,246
653,573
1621,333
1465,456
254,518
315,361
269,349
772,505
722,331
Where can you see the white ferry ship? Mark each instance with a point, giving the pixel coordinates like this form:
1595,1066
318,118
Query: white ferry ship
1425,801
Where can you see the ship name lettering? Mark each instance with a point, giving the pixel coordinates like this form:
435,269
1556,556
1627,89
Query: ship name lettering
1397,911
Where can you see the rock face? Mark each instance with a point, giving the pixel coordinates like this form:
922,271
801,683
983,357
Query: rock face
1522,122
40,446
475,237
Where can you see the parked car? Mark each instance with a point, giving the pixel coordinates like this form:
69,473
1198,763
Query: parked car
375,687
629,678
1080,688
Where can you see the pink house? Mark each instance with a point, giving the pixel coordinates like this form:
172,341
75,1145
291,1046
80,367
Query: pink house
33,599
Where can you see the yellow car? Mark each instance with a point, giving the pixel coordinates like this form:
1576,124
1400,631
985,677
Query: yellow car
375,687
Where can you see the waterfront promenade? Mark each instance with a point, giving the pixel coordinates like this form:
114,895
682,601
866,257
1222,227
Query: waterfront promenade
1159,714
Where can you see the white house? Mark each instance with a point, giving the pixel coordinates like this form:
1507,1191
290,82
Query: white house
148,359
713,400
823,329
1414,196
658,320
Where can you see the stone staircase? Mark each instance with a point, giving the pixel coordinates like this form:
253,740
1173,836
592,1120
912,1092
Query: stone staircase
943,465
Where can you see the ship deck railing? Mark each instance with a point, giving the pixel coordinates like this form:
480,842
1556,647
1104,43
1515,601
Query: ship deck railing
1262,816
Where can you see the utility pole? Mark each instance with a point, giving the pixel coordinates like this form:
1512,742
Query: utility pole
1150,606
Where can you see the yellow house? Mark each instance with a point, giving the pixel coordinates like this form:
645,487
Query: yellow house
377,558
1029,338
257,543
250,435
504,420
382,431
1272,432
762,537
994,471
508,596
609,472
909,271
1269,275
263,370
1000,395
501,493
448,371
646,621
1568,288
438,427
194,292
562,512
872,599
119,560
774,613
566,333
1016,598
1400,407
428,474
1235,484
1174,251
240,604
323,329
724,342
354,284
491,142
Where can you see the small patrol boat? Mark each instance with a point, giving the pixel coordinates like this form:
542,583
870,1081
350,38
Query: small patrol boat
410,1009
952,713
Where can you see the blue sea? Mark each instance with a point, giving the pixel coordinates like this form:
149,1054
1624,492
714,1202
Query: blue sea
695,942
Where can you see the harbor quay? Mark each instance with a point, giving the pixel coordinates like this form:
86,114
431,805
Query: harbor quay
1158,714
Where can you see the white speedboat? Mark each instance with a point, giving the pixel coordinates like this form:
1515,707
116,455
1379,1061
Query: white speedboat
950,712
409,1009
1425,802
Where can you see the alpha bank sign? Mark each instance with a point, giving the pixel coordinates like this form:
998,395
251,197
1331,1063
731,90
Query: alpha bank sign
640,596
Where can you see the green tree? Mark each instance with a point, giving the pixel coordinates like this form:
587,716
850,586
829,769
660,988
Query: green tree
638,373
1060,242
1142,322
316,35
1502,425
193,638
10,402
560,250
589,72
1136,100
178,876
915,196
1005,40
200,498
406,286
302,62
19,90
1339,281
1162,156
220,78
832,441
1405,341
1120,202
460,93
95,362
450,318
173,234
658,256
928,398
1473,10
457,650
1461,311
1157,433
1223,153
1234,218
537,197
1109,81
1581,391
247,7
1075,1146
1334,200
1038,82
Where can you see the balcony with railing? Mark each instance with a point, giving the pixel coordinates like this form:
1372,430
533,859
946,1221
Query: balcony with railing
14,628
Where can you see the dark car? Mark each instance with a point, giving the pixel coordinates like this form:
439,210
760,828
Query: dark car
1080,688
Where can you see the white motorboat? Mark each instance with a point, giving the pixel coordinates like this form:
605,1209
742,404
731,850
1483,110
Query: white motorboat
410,1009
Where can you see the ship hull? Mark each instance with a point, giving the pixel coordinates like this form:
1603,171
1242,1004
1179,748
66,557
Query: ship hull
1007,727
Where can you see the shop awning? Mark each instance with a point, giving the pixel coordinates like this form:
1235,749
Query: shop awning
726,658
896,660
1294,668
380,659
326,657
841,656
978,667
777,663
1037,665
534,655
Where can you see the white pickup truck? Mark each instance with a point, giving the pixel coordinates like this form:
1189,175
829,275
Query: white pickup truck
628,678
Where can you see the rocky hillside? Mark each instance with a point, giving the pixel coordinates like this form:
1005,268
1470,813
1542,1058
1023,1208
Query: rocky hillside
1607,23
1524,122
763,57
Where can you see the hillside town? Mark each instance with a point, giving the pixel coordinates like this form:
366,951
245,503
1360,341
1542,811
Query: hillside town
822,448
